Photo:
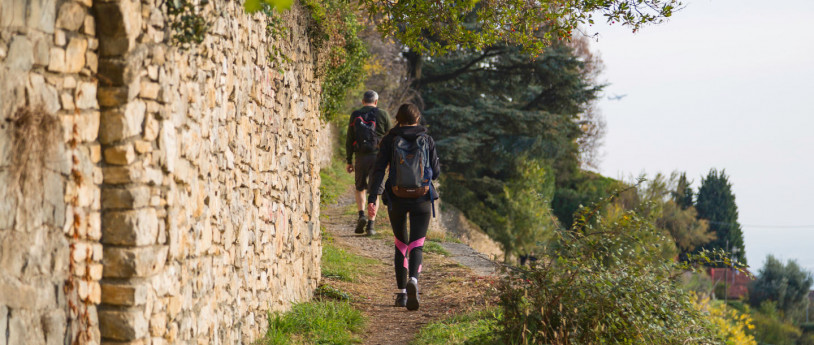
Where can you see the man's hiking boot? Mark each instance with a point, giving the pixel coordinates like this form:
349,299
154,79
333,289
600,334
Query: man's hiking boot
401,300
360,224
370,230
412,294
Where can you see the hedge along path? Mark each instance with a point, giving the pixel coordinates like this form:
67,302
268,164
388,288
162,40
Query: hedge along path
447,287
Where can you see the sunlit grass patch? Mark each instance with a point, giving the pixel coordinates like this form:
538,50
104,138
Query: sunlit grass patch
325,322
339,264
435,248
478,327
335,181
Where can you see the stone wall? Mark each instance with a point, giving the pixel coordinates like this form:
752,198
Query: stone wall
182,202
49,175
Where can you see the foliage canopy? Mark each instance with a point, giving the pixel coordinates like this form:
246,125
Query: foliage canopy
449,25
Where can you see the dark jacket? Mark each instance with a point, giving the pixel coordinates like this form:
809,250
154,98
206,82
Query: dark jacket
383,161
383,125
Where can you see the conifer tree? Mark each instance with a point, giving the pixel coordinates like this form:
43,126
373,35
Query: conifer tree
716,204
683,194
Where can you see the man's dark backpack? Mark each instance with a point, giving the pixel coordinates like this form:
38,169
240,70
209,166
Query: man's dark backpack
411,164
364,126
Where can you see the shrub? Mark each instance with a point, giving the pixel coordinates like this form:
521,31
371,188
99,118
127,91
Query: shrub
602,282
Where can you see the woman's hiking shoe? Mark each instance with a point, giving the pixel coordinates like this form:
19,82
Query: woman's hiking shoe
401,300
360,224
370,230
412,294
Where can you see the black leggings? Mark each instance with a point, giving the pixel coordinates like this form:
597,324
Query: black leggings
409,245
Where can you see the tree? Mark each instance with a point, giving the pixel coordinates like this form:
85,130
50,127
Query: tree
716,204
787,285
683,194
493,111
448,25
656,199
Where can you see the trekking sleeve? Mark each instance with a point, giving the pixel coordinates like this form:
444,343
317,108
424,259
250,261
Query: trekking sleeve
379,169
436,168
349,141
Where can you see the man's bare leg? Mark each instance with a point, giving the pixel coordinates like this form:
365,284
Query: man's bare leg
361,200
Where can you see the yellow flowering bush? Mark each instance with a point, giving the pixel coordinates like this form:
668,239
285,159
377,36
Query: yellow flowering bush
730,324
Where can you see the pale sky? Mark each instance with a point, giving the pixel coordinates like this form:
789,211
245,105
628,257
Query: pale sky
726,84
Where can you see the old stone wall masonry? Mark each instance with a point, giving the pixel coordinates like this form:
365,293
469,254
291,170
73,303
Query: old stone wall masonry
179,202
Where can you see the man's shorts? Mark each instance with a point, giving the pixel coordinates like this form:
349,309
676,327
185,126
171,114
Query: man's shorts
363,168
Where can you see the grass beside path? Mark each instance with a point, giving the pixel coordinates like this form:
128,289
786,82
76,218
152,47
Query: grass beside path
476,327
337,263
319,322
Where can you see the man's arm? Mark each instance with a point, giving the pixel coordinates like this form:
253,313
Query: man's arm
386,121
349,141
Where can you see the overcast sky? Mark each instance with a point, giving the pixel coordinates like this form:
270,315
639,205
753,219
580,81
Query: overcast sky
726,84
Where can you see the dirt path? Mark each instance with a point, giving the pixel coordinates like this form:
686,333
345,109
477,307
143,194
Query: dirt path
447,287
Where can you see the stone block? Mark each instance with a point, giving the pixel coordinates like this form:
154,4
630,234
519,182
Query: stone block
142,146
124,294
66,99
40,93
41,52
86,95
41,15
54,324
149,90
126,262
132,228
71,16
87,123
124,174
120,154
125,198
92,61
110,96
56,60
118,25
117,124
17,295
151,128
60,39
158,325
20,54
90,27
75,54
127,324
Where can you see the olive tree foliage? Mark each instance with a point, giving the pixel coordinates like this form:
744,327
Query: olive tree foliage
532,24
787,285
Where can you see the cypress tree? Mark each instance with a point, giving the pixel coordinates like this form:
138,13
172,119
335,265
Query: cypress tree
683,194
716,204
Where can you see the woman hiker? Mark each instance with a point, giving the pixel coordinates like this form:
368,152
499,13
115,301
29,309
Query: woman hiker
410,154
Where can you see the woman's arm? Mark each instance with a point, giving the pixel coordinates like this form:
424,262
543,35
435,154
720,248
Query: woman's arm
436,168
376,186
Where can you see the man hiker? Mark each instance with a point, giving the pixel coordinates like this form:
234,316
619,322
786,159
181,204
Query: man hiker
366,128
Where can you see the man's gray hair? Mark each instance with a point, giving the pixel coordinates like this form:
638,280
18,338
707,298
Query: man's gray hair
370,96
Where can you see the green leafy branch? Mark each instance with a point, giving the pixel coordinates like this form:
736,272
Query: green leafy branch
187,21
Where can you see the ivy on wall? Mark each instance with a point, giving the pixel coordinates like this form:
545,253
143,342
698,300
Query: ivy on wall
341,53
333,32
